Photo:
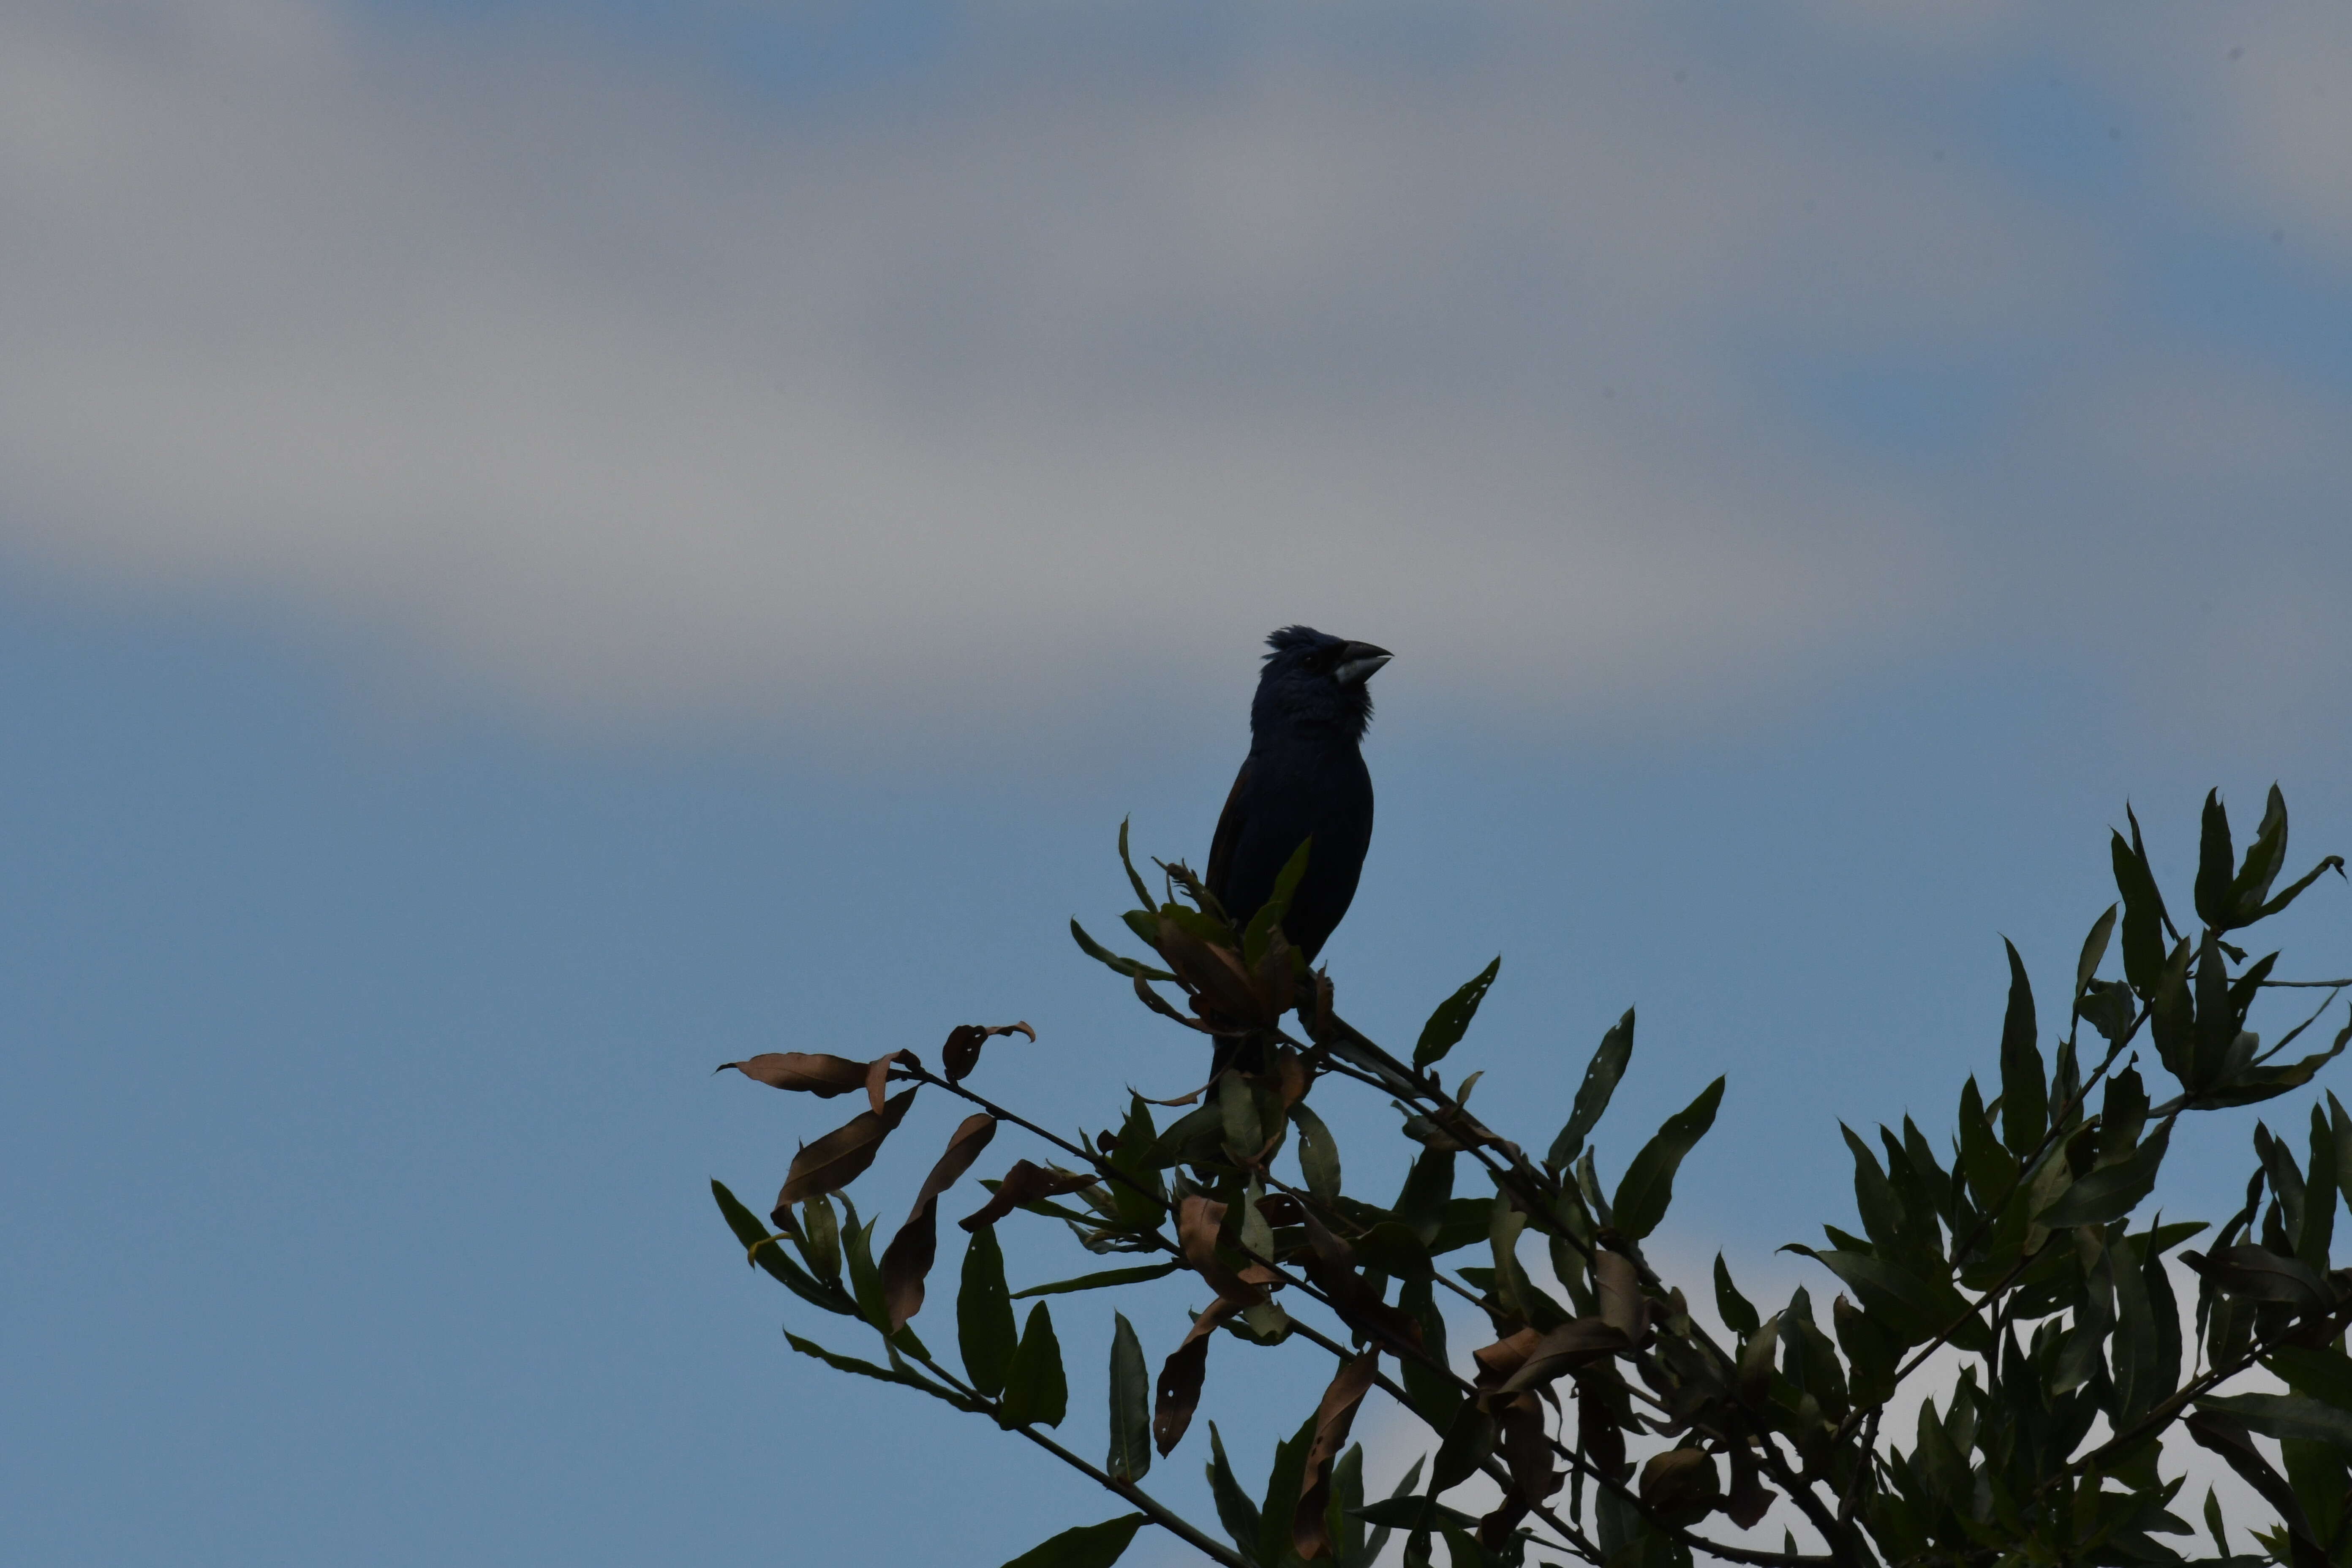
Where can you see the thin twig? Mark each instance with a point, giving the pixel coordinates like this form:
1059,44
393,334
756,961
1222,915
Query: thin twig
1152,1509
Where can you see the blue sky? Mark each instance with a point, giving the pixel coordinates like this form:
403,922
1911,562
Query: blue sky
545,549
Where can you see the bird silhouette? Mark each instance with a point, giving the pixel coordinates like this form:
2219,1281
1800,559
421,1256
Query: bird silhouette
1304,778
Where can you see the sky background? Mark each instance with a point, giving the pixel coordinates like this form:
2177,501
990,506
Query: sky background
546,548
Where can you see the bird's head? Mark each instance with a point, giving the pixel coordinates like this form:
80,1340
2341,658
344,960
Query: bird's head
1316,679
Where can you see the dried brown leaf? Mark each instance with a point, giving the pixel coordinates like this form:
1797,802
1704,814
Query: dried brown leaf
878,1074
1681,1486
1198,1222
1159,1003
1619,1286
841,1156
1290,1078
1182,1098
1309,1529
1750,1498
1222,989
1332,1264
1181,1377
1567,1348
805,1072
1495,1531
961,1053
907,1261
1498,1362
1525,1450
1025,1183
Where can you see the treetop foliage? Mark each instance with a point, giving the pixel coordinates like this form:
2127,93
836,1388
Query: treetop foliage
1618,1428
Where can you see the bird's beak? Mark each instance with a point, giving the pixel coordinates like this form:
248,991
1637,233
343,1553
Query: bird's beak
1359,662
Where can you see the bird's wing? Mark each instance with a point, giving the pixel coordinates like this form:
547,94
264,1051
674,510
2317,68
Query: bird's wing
1229,832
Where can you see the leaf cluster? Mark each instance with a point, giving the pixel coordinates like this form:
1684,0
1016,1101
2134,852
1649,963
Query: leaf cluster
1617,1427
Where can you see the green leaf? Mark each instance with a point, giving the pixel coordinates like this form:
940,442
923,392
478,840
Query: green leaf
2110,1192
2325,1374
2215,862
1600,1076
1874,1196
2108,1006
2287,1416
1131,1405
1468,1441
1379,1540
1408,1514
2143,915
1923,1164
1912,1309
1319,1154
2164,1308
2216,1028
1421,1206
1870,1351
1142,894
2319,1196
864,1280
1139,1200
1036,1392
1089,1546
1990,1170
1237,1114
2132,1353
1648,1184
2123,1117
1519,1296
1130,967
2024,1085
2171,1020
2265,857
2333,863
821,1228
1340,1521
1193,922
770,1256
1737,1314
2340,1125
984,1314
1435,1395
2251,1086
1283,1483
1452,1020
748,1231
1394,1249
1260,934
1105,1280
2286,1185
2257,1274
850,1363
2094,948
1234,1510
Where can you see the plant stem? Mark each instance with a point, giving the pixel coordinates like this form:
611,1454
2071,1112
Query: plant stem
1150,1507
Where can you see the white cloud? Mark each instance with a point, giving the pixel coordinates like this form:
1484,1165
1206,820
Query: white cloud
1022,383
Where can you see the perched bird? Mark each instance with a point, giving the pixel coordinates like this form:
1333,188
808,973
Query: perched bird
1304,778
